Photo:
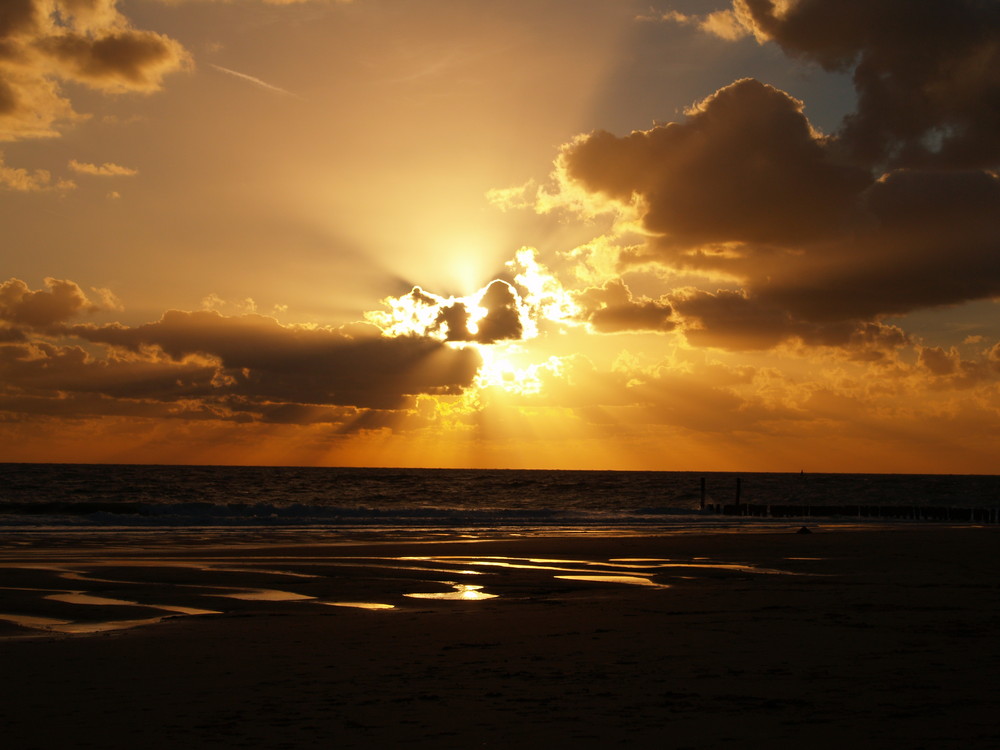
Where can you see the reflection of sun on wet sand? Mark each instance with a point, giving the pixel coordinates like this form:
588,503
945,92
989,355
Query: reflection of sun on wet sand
873,638
462,592
632,580
264,595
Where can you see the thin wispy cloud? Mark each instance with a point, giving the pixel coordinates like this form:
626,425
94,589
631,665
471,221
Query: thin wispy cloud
255,81
107,169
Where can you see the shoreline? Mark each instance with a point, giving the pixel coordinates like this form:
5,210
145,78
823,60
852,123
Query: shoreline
747,640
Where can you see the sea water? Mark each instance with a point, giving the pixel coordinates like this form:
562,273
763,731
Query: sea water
80,497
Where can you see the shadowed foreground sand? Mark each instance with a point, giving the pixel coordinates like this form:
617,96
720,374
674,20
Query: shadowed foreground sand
837,638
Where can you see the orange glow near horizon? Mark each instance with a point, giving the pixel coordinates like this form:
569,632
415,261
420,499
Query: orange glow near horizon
500,235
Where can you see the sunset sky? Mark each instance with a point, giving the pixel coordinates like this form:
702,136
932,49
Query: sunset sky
758,235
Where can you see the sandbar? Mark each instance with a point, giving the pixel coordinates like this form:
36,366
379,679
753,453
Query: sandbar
843,637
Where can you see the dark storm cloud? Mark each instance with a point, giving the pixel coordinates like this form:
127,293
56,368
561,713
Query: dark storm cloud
927,73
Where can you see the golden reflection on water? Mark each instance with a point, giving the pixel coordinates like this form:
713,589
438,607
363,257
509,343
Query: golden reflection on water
78,597
522,571
638,569
462,592
52,625
359,605
103,627
33,621
521,563
264,595
633,580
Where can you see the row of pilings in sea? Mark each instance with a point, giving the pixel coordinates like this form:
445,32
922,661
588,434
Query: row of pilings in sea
898,512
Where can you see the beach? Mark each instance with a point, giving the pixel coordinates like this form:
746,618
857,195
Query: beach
877,637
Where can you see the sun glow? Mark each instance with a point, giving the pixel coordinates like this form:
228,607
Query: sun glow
501,370
543,292
497,320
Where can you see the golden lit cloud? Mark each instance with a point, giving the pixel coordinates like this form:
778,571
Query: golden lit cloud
59,302
85,42
816,247
612,309
108,169
29,181
501,310
382,391
725,24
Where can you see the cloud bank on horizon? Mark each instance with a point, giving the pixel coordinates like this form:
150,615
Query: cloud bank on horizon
748,231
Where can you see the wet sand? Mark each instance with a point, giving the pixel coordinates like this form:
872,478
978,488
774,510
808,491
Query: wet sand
841,637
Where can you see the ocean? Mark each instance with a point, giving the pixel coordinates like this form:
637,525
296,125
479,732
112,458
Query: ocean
76,498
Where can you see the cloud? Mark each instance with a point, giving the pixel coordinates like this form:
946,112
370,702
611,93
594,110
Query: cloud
518,196
938,361
739,321
927,74
49,46
503,315
697,396
25,181
725,24
256,81
612,309
929,239
266,2
261,359
949,370
108,169
46,43
745,166
811,245
43,370
118,61
59,302
495,313
234,367
731,320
